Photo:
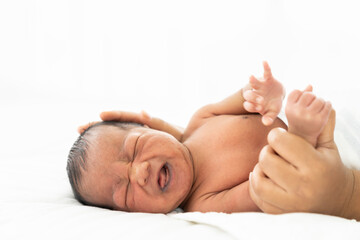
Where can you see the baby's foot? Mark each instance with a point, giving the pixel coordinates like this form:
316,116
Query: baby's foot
307,115
265,96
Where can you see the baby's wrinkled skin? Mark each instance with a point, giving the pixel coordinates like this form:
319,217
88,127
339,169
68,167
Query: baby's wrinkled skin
207,172
125,170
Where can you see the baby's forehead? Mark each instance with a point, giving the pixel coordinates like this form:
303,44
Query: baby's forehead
112,129
105,147
106,132
105,140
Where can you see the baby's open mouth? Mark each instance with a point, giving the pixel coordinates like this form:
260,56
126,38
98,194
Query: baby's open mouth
164,177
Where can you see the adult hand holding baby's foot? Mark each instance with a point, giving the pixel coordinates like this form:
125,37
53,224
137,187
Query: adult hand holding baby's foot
264,95
307,114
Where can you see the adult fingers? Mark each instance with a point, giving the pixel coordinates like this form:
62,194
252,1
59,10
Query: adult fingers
290,147
82,128
161,125
277,169
143,118
122,116
264,206
264,191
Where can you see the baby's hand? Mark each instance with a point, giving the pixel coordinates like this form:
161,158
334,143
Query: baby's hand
264,95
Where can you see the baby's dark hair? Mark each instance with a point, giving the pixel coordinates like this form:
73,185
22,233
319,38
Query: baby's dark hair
77,158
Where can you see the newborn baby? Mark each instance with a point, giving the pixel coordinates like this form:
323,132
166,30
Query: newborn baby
131,167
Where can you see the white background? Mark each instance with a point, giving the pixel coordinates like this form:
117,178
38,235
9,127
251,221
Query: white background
62,62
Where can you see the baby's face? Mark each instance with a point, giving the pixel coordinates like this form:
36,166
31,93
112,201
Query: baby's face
139,169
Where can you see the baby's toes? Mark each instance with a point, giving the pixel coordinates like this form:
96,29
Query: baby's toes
306,99
317,105
325,112
294,96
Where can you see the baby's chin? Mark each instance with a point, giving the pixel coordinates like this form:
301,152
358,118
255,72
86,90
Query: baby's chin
164,205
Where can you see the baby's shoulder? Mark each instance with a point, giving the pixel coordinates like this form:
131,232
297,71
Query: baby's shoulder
200,117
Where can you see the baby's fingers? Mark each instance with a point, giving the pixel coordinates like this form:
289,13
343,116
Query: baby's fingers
309,88
269,118
251,107
255,83
253,97
267,70
325,112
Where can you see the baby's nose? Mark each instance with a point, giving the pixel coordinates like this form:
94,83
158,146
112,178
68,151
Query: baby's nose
140,173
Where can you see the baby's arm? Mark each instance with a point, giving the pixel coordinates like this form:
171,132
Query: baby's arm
235,199
232,105
262,95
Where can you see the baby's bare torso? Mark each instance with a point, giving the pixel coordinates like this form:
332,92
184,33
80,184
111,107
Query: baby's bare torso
225,150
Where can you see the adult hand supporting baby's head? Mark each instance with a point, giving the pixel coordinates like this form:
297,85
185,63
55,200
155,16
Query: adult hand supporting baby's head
83,127
145,119
142,118
121,116
293,176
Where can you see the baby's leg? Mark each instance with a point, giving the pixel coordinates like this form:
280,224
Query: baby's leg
307,115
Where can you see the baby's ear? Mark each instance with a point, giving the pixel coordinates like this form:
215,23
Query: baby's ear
82,128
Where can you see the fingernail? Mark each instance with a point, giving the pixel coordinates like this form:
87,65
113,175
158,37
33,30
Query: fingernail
267,121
